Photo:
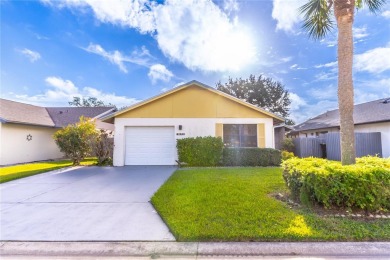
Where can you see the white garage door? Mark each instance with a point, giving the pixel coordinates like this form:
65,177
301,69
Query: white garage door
150,146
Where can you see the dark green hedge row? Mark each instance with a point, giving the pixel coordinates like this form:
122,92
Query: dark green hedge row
209,151
200,151
365,185
251,157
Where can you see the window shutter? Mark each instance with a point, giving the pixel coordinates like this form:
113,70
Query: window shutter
219,130
260,135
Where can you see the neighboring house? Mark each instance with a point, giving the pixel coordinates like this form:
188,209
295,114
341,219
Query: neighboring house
280,134
373,116
26,131
146,133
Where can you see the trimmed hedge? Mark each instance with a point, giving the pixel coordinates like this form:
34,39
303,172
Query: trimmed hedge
365,185
251,157
200,151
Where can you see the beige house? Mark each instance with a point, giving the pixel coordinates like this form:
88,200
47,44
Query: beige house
146,133
26,131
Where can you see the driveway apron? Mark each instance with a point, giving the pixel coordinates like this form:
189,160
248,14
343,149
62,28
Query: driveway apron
86,204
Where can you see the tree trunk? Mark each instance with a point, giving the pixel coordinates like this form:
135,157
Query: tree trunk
344,13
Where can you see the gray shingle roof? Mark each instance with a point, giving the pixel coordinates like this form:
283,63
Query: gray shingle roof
370,112
63,116
16,112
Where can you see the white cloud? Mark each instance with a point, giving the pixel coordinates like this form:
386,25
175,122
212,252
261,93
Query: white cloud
31,55
321,93
201,36
296,67
296,101
386,14
116,57
159,72
360,32
327,65
61,91
306,110
195,33
231,6
324,76
61,85
286,13
375,60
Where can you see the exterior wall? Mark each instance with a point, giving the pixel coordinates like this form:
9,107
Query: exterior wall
384,128
280,134
192,127
16,149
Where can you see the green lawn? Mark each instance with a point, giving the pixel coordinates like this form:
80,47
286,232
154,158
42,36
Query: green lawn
233,204
10,173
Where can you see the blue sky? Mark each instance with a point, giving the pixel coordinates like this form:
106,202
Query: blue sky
126,51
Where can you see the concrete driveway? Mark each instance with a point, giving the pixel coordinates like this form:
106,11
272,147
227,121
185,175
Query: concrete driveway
86,204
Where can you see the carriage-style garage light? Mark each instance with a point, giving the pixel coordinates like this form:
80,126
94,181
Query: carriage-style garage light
180,127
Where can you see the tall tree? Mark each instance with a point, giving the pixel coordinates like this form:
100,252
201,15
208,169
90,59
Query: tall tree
318,22
89,102
259,91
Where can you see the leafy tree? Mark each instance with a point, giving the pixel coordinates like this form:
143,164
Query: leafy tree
318,22
259,91
89,102
75,139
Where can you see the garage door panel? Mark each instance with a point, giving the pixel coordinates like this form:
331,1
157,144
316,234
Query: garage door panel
150,146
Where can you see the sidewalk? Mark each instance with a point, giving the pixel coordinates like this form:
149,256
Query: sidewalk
195,249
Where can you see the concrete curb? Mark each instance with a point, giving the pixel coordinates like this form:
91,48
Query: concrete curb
381,249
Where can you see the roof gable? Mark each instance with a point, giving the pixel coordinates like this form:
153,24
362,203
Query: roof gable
194,100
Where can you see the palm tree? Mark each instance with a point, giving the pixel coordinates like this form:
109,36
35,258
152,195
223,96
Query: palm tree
318,21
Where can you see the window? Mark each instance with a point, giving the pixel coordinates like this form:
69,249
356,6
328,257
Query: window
240,135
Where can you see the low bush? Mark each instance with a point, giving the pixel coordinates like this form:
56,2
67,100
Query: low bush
365,185
200,151
75,140
288,145
287,155
251,157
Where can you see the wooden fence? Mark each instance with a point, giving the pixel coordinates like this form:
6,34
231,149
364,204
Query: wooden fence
328,145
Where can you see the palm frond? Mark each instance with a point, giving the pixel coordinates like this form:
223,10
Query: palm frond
317,18
374,5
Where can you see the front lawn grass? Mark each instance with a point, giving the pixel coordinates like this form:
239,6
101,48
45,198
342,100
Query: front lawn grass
14,172
234,204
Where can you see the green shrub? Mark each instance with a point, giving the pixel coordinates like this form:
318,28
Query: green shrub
288,145
251,157
365,185
287,155
200,151
75,140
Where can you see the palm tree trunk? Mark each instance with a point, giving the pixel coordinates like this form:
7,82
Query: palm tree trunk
344,12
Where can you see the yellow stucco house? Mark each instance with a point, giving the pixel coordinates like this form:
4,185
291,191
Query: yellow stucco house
146,133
